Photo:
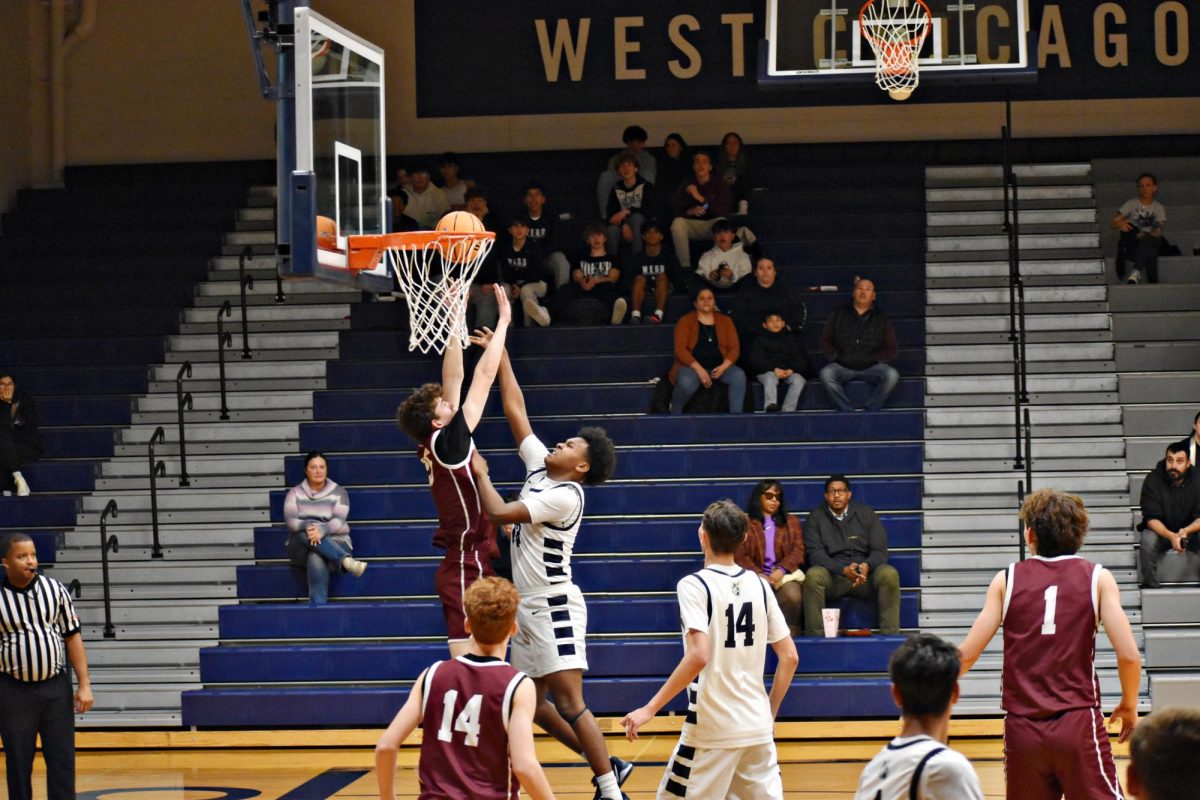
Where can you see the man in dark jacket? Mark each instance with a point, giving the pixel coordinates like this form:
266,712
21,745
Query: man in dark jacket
859,341
1170,511
847,554
20,441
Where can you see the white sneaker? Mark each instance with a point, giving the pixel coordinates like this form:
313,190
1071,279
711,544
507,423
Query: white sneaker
536,312
1134,277
619,309
22,486
354,566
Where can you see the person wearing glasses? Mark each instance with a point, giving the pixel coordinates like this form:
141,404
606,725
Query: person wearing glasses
774,548
847,555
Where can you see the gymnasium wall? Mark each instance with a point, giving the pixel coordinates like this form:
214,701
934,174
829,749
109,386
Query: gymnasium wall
15,77
155,83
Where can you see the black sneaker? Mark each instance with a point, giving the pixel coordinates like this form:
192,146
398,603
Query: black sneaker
771,409
621,769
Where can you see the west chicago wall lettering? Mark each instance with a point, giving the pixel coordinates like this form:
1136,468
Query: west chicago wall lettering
560,56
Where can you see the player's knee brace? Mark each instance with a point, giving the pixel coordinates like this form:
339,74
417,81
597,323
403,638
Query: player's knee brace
571,719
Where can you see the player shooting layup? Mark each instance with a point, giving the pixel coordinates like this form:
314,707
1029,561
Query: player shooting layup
1051,606
476,714
729,616
552,621
442,429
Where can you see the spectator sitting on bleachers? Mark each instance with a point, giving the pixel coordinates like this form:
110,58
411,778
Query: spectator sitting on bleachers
776,357
634,137
847,554
706,350
674,168
426,202
774,548
597,275
1162,755
629,203
20,440
731,167
316,510
725,264
859,341
1193,439
521,271
1140,221
544,233
401,222
453,187
655,264
481,299
1170,511
766,293
699,204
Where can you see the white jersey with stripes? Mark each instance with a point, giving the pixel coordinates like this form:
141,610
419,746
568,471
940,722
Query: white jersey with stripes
541,548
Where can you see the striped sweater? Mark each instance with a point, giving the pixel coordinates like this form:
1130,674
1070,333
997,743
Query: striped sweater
328,509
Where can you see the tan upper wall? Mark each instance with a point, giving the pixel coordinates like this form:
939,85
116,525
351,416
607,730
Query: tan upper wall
15,133
138,91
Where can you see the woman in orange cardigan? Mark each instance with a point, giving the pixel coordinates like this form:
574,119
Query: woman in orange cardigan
774,547
706,350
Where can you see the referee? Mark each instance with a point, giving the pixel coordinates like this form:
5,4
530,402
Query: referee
39,633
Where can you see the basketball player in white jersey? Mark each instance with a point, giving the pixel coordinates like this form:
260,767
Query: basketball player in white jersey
552,619
917,764
729,616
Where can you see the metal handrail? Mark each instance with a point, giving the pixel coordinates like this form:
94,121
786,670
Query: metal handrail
245,282
157,468
181,400
75,588
107,543
224,339
1020,522
1027,482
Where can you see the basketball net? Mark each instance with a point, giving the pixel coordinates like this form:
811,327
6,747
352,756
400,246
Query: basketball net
434,270
896,30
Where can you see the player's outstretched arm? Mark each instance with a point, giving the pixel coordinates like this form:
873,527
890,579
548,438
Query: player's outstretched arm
489,362
986,624
695,659
405,723
520,744
498,510
1129,661
514,402
452,373
785,668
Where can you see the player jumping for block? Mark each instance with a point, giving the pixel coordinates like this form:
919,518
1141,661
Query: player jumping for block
475,713
442,429
552,621
729,616
1051,606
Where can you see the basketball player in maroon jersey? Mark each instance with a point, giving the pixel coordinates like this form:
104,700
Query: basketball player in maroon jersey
1051,605
442,429
475,713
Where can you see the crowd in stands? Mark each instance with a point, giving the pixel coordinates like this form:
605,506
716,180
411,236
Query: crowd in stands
20,439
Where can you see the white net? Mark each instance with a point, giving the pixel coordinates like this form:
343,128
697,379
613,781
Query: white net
896,30
435,273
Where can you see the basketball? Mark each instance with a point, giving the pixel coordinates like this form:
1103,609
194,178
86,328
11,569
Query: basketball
326,233
460,251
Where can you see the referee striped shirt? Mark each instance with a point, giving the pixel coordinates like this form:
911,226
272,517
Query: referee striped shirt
34,621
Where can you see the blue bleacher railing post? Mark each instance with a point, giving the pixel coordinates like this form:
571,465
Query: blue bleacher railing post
224,339
107,543
245,282
182,400
156,468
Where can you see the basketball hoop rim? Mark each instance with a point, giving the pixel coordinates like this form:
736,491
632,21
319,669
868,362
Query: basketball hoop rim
876,41
364,251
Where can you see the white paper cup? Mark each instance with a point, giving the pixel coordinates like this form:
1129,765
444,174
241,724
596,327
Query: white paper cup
831,617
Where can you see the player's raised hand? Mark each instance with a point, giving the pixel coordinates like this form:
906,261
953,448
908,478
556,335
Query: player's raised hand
502,303
481,337
479,465
634,720
1128,718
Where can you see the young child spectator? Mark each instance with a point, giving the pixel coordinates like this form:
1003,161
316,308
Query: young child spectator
401,222
653,263
1140,221
726,263
426,202
629,202
776,357
521,271
20,440
453,187
674,169
731,168
544,233
597,275
634,138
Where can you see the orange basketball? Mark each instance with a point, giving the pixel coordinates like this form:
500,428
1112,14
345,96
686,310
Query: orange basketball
326,233
460,252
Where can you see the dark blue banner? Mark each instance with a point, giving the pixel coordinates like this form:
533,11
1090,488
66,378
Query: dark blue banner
478,58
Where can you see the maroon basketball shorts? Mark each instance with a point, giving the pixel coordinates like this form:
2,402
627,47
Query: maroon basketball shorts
458,570
1064,754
